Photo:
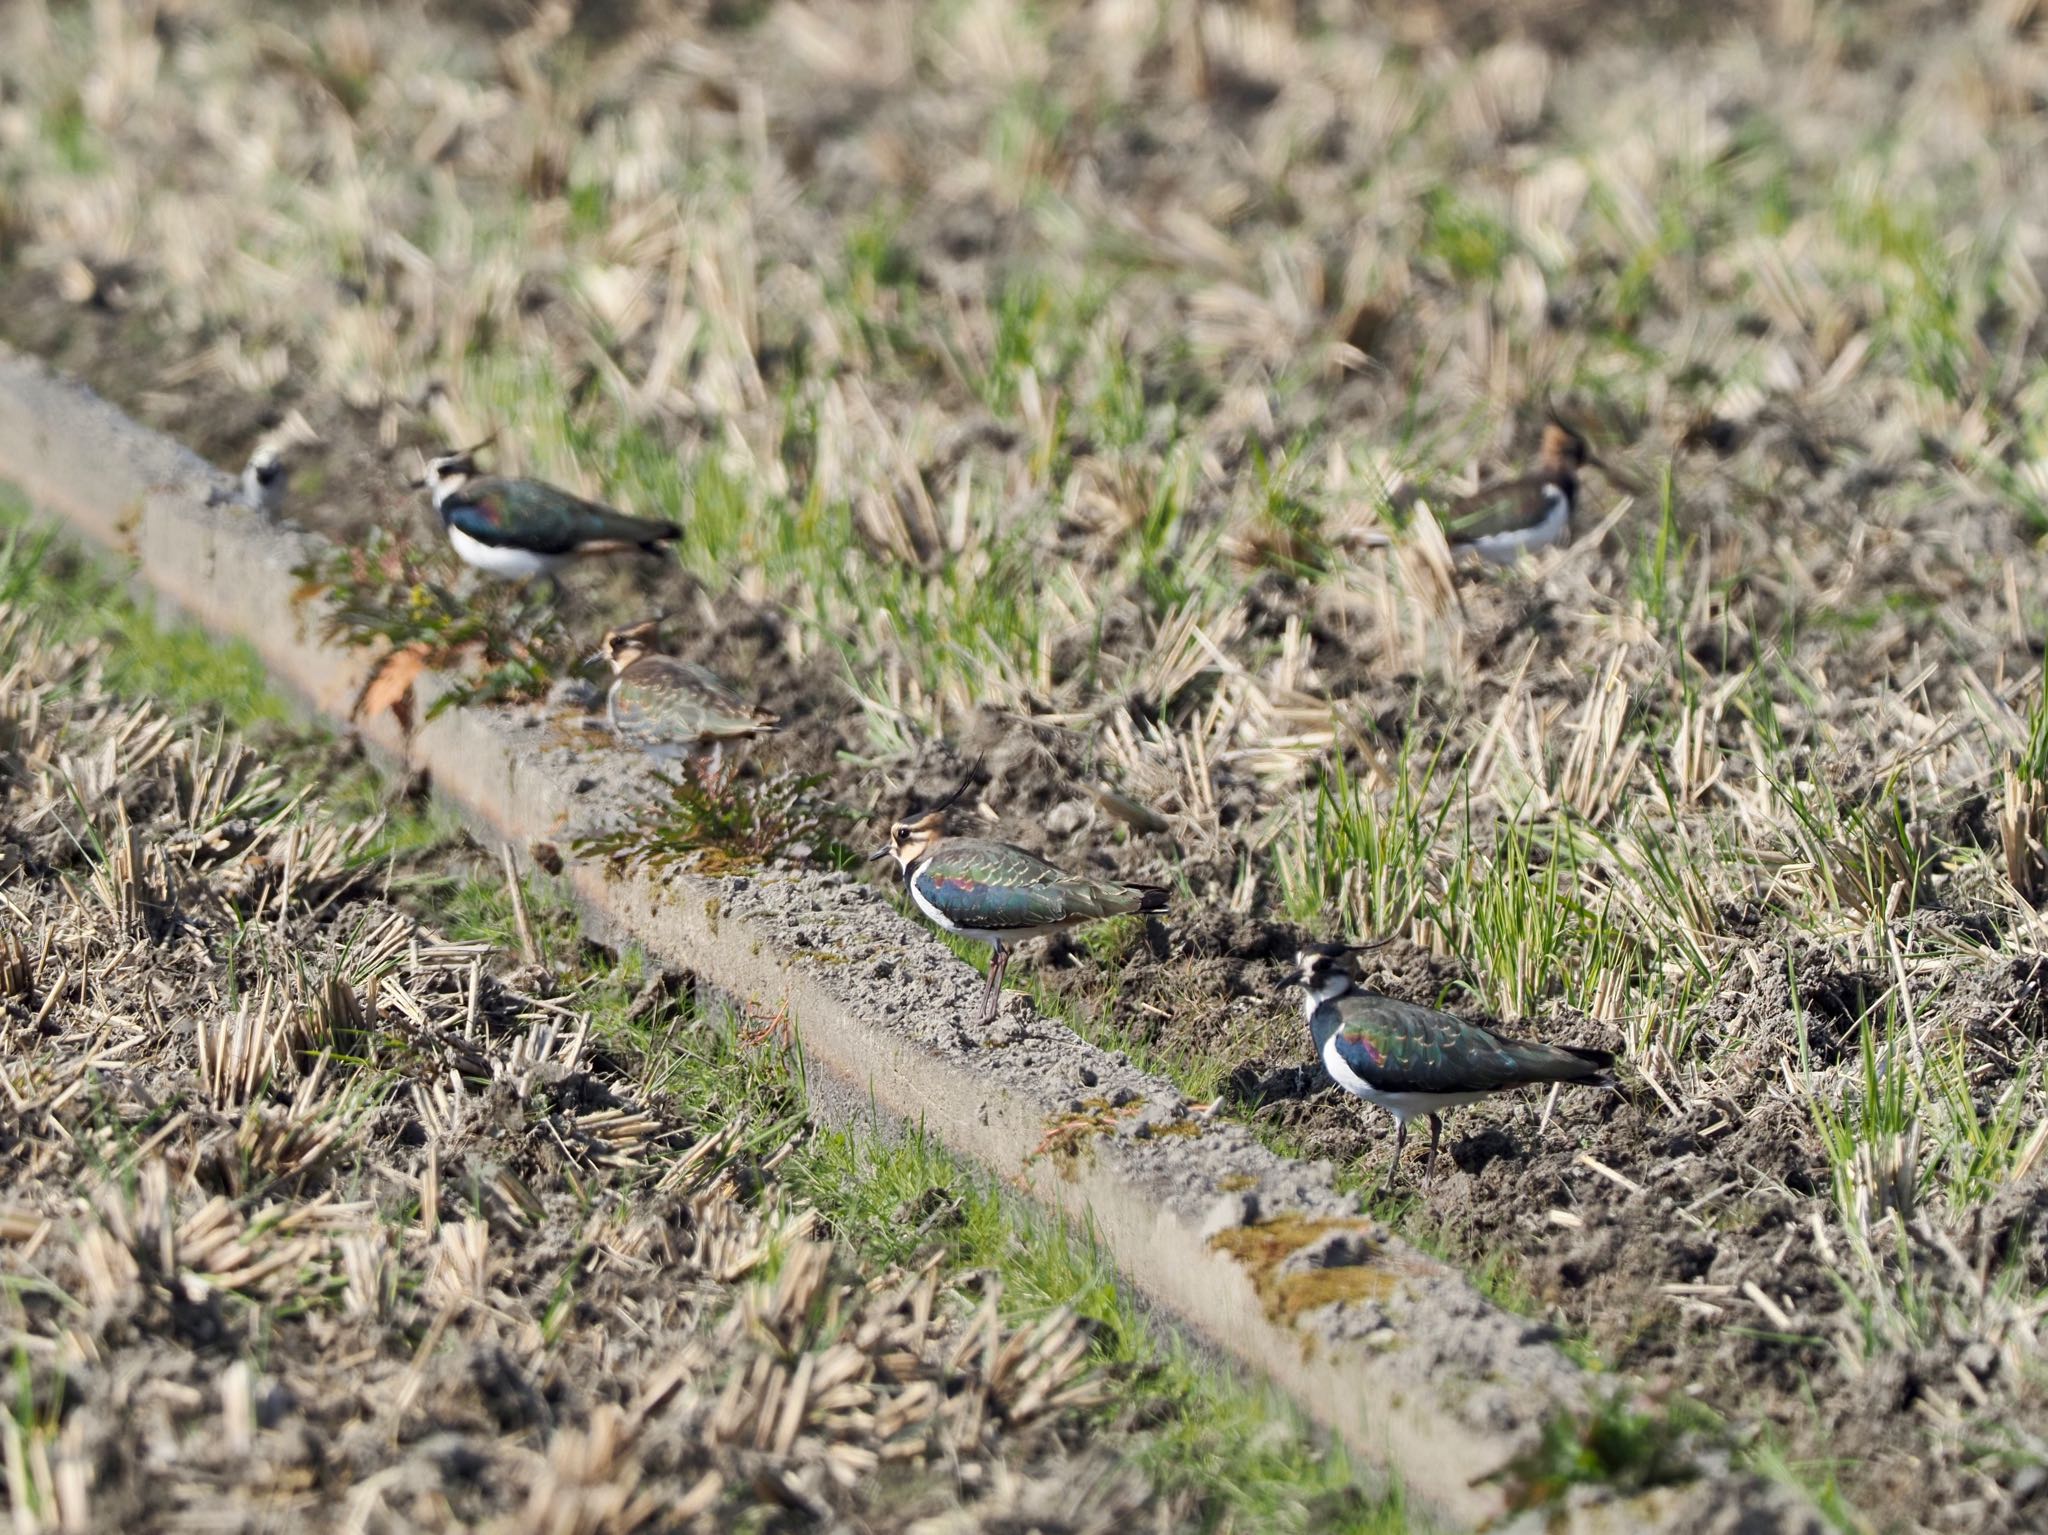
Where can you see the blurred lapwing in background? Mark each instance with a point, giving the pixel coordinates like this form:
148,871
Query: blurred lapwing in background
667,707
519,529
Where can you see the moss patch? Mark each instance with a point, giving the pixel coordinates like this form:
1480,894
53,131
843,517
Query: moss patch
1070,1136
1265,1246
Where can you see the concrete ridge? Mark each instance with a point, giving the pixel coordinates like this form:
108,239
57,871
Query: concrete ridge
1259,1255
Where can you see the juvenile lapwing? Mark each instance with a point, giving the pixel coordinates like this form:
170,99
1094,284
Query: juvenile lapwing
1500,523
1414,1060
667,707
520,529
998,894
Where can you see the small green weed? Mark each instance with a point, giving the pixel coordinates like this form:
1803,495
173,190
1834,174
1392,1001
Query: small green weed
1614,1444
716,821
501,643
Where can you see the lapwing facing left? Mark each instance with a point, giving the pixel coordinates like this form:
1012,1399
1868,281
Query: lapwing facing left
998,894
520,529
264,480
667,707
1414,1060
262,485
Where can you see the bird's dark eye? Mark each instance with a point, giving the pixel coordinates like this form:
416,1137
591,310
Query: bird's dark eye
265,473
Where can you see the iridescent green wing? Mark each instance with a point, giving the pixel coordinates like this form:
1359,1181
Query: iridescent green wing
994,886
529,514
1399,1047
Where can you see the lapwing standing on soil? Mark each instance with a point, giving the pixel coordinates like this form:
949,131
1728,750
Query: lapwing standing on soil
520,529
1415,1060
667,707
998,894
1501,522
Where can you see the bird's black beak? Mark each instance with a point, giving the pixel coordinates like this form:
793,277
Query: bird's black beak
879,853
1293,978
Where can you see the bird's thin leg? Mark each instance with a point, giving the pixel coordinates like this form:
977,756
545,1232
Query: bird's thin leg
1436,1134
1400,1142
992,998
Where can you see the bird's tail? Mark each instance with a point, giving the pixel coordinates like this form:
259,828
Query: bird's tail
1566,1063
1151,897
1602,1062
653,545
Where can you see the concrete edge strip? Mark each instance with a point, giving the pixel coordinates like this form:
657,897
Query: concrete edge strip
1260,1256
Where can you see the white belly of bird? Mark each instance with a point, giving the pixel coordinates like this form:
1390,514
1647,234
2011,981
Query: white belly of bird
267,499
1403,1106
513,564
1506,548
987,935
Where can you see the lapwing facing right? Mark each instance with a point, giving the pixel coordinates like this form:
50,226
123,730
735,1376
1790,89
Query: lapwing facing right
520,529
998,894
1500,523
1414,1060
671,708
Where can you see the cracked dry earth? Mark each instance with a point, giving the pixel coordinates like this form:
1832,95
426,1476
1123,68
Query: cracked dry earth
308,1221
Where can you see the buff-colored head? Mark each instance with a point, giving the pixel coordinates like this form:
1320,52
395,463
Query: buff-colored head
1563,451
623,646
911,840
914,836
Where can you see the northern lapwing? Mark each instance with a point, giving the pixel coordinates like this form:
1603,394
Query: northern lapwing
1414,1060
671,708
520,529
264,480
261,487
998,894
1500,523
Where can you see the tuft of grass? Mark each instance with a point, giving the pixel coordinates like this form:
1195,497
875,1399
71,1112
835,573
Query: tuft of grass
2023,804
1616,1445
718,820
1369,859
